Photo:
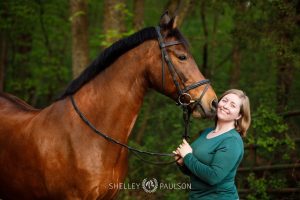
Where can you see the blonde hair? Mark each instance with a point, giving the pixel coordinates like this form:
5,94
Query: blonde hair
243,123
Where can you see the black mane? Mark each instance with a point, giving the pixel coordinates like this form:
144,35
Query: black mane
110,54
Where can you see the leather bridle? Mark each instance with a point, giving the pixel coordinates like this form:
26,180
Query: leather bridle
181,94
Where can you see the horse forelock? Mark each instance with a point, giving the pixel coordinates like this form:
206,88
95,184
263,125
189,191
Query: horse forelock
177,34
112,53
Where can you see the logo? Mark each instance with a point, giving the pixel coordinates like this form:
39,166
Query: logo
150,186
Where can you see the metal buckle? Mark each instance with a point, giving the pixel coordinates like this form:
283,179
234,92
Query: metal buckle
182,96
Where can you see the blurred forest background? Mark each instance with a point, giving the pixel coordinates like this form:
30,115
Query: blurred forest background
253,45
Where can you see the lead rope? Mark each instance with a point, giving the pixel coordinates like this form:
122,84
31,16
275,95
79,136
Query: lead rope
135,151
163,72
186,120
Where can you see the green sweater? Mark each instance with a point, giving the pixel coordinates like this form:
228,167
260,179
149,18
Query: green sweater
213,164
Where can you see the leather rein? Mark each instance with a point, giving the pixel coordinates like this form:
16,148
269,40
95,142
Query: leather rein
182,93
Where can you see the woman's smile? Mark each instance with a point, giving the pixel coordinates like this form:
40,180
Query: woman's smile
224,111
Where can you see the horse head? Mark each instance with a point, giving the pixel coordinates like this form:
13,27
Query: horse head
177,74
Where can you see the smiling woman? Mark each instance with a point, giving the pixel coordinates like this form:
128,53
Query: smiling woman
212,159
238,103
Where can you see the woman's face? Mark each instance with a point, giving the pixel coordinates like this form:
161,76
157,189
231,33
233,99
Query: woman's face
229,108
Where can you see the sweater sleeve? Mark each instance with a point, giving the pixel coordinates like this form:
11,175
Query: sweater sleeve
225,159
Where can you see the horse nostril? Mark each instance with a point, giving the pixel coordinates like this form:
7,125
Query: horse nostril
214,104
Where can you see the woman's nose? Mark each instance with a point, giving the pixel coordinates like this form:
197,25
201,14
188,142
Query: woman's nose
225,105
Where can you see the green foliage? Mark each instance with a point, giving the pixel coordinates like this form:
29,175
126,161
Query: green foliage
112,35
277,182
266,32
270,128
258,188
38,68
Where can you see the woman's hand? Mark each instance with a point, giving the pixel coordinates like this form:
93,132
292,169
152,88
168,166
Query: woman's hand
178,158
184,148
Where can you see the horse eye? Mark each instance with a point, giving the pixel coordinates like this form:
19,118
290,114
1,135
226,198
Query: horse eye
182,57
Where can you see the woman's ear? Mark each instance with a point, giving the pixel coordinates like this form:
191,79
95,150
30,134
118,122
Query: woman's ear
239,117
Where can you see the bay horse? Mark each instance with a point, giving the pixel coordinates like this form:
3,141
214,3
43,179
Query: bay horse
51,153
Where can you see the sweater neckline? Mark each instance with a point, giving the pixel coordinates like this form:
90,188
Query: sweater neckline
217,135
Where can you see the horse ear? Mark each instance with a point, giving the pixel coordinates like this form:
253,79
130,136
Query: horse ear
173,22
164,19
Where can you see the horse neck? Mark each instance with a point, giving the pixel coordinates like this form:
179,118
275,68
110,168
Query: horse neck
113,98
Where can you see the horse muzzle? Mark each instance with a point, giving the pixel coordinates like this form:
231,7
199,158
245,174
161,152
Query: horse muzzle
196,106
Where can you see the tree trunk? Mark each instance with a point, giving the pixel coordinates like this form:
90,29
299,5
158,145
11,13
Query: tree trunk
205,69
236,66
286,62
180,8
43,27
79,19
284,79
3,58
114,20
214,43
172,6
240,9
3,48
184,8
138,10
